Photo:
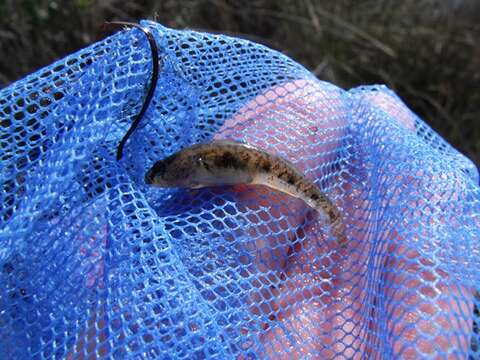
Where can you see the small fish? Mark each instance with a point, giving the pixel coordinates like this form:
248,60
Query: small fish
225,162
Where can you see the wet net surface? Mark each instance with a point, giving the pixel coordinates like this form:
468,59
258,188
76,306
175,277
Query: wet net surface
95,264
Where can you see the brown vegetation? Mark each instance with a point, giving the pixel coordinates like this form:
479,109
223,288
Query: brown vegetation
428,51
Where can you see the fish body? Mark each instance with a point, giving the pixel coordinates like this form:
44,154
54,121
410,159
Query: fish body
229,163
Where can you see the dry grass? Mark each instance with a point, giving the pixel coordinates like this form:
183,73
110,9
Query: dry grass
426,50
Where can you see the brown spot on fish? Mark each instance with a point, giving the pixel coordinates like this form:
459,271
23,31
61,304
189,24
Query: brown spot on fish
283,174
228,160
245,157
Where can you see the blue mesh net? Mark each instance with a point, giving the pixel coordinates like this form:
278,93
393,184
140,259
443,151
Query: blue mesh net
95,264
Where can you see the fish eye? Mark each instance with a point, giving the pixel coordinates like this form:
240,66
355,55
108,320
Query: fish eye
202,162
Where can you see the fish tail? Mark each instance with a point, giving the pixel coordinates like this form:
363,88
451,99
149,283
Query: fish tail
339,232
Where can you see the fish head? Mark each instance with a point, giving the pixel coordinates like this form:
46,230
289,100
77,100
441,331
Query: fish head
173,171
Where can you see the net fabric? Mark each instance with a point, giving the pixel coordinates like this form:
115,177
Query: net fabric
95,264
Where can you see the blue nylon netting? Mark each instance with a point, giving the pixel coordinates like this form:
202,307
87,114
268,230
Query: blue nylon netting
95,264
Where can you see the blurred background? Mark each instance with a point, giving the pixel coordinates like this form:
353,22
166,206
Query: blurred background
428,51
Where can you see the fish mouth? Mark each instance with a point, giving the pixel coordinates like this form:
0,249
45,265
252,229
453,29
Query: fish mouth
148,178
